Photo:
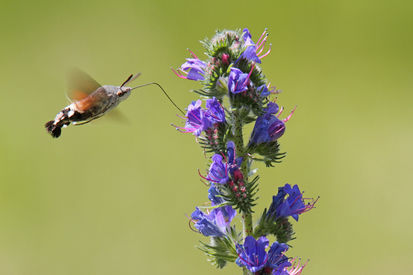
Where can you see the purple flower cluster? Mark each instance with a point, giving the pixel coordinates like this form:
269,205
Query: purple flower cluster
218,220
233,70
253,256
289,201
199,119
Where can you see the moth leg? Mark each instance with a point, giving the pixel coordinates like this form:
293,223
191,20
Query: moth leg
85,122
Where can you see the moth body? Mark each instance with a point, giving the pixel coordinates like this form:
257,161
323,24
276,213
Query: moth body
88,108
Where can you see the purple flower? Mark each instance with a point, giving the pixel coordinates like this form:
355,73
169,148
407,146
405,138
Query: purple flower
205,224
215,223
199,119
253,255
233,162
214,195
294,268
292,205
269,127
218,171
215,110
192,69
250,53
237,81
276,258
196,120
253,50
195,69
223,216
263,90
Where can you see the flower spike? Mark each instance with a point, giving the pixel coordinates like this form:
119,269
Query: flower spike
235,93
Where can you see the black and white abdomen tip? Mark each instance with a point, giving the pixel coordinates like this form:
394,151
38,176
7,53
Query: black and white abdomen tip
53,129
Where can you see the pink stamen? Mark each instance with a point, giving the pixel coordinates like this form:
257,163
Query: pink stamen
290,115
307,207
206,178
261,49
206,184
195,117
192,53
262,42
178,127
281,111
248,77
181,117
297,198
247,261
178,75
185,128
184,132
267,53
275,91
182,72
262,35
296,269
199,173
279,130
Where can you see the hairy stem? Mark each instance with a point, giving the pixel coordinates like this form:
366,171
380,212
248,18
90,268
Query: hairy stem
242,152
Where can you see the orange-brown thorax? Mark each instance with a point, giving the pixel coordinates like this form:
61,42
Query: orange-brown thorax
86,102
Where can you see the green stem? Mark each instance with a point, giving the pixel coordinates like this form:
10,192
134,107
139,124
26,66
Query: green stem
245,271
247,224
241,152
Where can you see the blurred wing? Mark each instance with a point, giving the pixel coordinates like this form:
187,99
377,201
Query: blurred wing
118,116
80,85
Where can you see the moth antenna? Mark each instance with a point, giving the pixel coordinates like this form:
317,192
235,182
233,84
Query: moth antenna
127,80
130,78
135,77
166,94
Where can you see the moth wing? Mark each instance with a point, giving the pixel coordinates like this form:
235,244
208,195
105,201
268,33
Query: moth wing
80,85
118,116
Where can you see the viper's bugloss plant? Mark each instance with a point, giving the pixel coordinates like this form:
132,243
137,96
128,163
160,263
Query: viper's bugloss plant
237,93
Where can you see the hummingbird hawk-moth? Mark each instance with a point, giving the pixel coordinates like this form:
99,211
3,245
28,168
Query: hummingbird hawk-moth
90,101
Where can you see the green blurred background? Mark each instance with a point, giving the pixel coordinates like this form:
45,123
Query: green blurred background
112,198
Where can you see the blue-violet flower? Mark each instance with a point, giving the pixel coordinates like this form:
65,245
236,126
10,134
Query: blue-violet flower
292,205
269,127
237,81
250,53
253,255
215,223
